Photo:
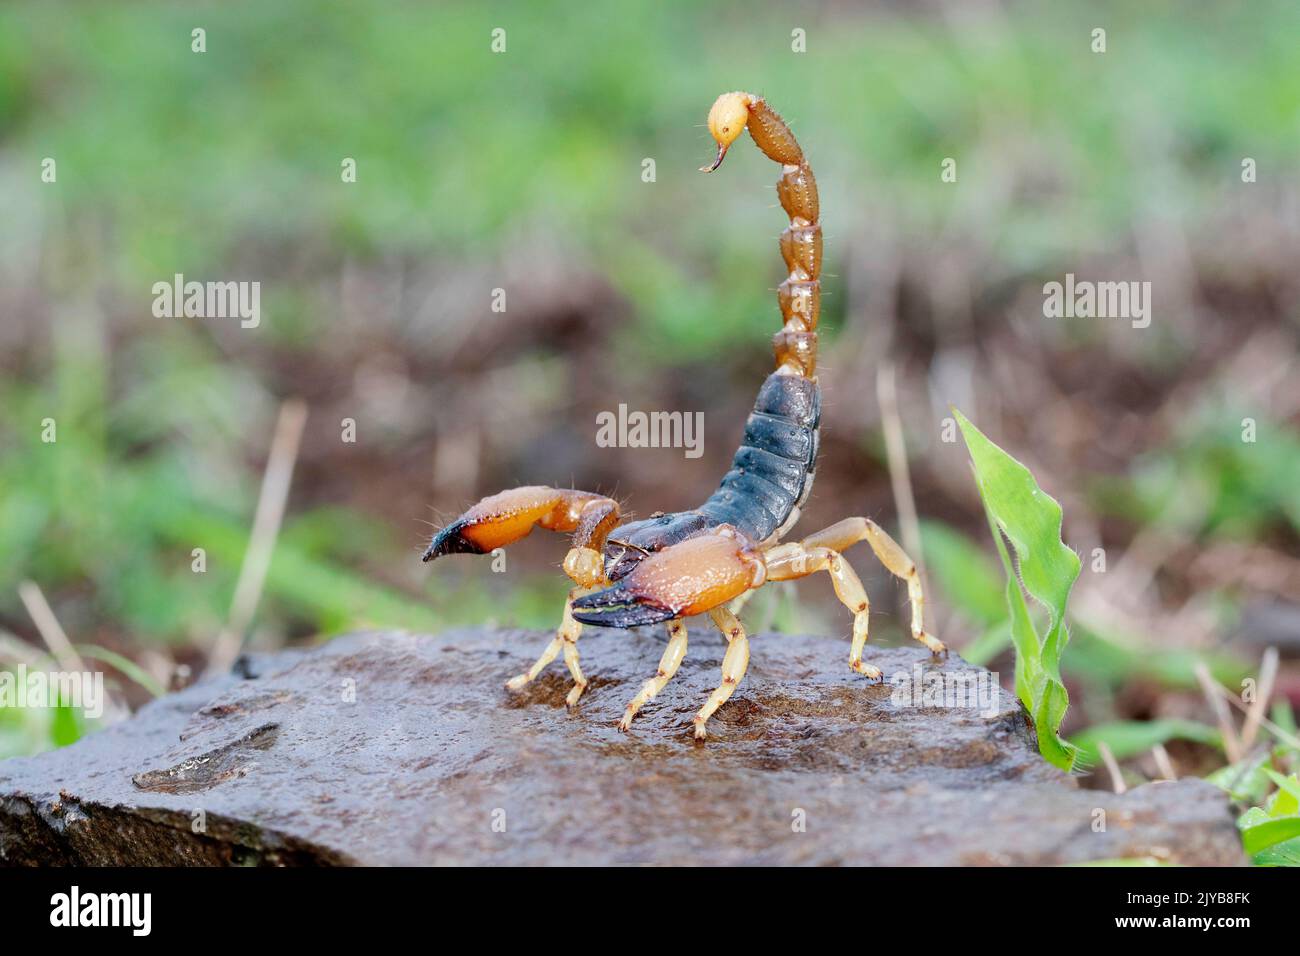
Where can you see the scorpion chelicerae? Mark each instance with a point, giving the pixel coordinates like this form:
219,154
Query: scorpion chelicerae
673,566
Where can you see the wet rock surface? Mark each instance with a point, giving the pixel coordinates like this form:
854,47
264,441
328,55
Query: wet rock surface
393,748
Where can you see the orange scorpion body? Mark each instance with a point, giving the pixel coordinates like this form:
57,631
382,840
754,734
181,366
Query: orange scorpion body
673,566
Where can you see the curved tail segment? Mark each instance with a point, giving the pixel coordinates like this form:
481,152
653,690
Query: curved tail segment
801,243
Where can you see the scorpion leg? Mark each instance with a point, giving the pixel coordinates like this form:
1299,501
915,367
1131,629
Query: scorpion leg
848,532
734,663
506,517
789,561
570,631
566,639
584,565
668,664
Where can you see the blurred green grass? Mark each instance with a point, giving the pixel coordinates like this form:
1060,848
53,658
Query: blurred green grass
201,162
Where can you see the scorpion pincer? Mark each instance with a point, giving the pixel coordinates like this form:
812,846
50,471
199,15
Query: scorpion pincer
672,566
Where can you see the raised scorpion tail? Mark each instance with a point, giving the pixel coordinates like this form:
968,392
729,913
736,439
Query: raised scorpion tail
801,242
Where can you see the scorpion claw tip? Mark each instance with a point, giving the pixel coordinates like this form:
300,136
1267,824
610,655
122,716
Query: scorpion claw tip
619,606
450,540
722,152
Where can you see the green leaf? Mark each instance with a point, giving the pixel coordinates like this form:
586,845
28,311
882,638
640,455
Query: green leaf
1245,780
1031,521
1281,854
1271,833
1286,802
66,726
1127,738
1260,836
1284,716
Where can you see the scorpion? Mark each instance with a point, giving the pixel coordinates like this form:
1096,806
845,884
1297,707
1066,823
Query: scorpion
673,566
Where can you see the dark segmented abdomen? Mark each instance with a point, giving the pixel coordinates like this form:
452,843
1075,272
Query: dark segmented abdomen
772,471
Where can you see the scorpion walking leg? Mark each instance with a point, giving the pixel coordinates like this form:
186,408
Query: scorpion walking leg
734,663
570,631
789,561
511,515
668,664
895,559
848,532
584,565
566,639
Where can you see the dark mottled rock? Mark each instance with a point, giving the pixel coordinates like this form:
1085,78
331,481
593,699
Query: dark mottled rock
399,748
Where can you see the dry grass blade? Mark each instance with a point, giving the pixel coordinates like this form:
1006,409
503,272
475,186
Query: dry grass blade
1285,736
13,649
56,639
48,626
900,478
266,528
1166,765
1263,693
1215,694
1112,767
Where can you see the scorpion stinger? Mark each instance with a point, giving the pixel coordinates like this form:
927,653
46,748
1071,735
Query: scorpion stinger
672,566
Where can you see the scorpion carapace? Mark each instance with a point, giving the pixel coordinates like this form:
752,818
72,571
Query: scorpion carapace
672,566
